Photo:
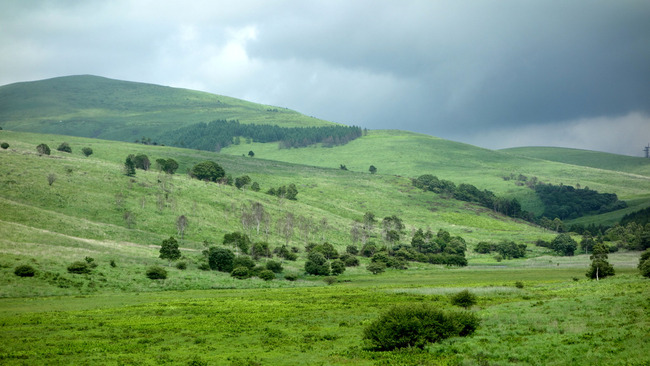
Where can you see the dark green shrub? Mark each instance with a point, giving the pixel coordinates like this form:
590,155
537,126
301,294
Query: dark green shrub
317,264
274,266
4,145
169,249
113,264
64,147
376,268
290,276
644,267
87,151
266,275
204,266
644,257
337,266
352,249
208,171
24,270
43,149
416,325
156,273
350,260
220,259
464,299
519,284
79,268
240,273
243,261
181,265
330,280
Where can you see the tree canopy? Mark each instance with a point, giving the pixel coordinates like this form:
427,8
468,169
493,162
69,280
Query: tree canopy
208,170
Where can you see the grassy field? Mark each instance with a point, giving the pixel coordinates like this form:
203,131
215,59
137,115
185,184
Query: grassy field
552,320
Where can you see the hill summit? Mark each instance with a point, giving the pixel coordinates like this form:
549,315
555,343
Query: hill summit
98,107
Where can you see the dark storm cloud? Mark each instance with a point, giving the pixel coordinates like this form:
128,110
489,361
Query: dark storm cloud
463,70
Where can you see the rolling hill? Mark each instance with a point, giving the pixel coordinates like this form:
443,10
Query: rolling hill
93,106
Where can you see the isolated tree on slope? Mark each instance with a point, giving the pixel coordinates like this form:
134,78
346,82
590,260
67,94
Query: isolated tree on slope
169,249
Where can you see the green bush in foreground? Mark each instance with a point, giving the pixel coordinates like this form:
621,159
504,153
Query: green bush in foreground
464,299
416,325
266,275
25,270
4,145
156,273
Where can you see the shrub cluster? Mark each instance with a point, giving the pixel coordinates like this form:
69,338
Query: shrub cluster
416,325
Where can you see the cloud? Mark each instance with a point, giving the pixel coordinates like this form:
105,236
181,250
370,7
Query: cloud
626,135
454,69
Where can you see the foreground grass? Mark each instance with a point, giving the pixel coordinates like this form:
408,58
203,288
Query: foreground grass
552,320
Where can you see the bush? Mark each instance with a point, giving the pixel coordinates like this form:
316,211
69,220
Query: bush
156,273
266,275
87,151
220,259
43,149
352,249
337,266
79,268
64,147
644,267
112,263
317,264
519,284
376,268
330,280
243,261
464,299
181,265
273,266
4,145
291,277
416,325
24,271
350,260
240,273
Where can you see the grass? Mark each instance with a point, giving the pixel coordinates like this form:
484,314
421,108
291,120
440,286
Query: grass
552,320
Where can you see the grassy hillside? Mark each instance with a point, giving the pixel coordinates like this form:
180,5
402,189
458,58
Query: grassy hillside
93,106
594,159
84,209
410,155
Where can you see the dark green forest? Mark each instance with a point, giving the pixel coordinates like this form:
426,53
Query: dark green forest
567,202
219,134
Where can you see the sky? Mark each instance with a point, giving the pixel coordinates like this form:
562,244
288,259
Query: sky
496,74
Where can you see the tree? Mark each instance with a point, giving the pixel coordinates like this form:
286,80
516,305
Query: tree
4,145
238,240
372,169
317,264
64,147
242,181
251,153
292,192
141,161
220,259
43,149
79,267
208,170
644,263
255,187
274,266
129,165
181,225
169,249
600,267
87,151
376,267
266,275
563,244
168,166
338,267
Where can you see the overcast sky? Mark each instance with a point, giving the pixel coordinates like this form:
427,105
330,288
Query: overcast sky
491,73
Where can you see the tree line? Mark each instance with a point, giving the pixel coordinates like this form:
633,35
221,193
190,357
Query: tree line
219,134
567,202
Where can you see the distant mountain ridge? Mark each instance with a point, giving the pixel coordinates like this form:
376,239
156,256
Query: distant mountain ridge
93,106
